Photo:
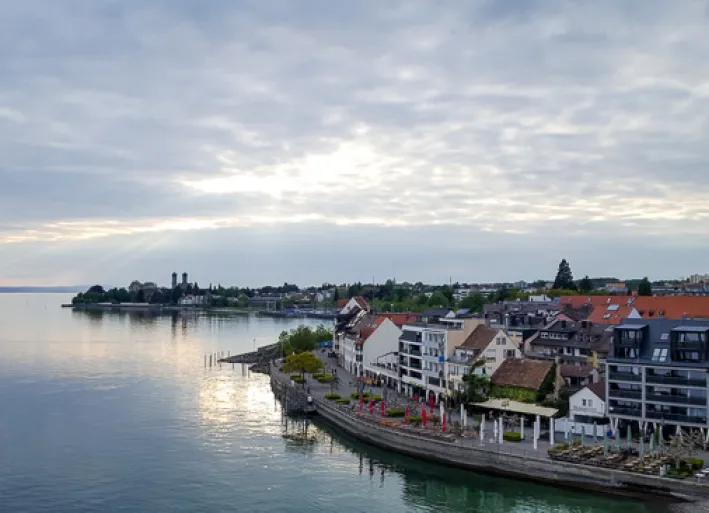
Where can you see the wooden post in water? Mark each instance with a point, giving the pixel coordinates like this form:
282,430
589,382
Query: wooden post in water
210,361
205,361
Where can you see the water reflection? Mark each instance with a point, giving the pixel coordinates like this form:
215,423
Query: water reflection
443,489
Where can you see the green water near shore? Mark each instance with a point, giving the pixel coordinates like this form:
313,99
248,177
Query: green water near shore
108,411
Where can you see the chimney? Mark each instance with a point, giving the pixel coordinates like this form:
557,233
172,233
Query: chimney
584,324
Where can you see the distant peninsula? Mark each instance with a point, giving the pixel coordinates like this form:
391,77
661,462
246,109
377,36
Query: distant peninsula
42,290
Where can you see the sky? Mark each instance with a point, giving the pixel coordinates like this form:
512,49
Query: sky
249,142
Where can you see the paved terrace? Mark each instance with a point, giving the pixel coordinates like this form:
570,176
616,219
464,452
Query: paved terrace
348,384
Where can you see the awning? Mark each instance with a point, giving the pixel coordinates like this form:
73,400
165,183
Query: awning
518,407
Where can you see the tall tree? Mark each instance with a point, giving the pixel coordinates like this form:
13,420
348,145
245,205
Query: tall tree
645,287
302,362
564,277
585,284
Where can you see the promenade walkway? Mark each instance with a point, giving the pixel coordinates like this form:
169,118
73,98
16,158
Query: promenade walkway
347,384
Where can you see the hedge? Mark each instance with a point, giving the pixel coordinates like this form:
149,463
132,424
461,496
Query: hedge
376,397
318,375
342,400
510,436
332,397
300,381
294,376
392,412
695,463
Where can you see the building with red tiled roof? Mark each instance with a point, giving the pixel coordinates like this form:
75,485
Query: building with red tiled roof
578,301
612,314
672,307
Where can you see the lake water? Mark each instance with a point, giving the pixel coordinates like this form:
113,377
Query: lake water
116,412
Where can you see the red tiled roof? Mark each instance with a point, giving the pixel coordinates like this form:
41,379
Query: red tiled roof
598,316
598,388
672,307
361,301
528,374
577,301
480,338
341,303
575,371
399,319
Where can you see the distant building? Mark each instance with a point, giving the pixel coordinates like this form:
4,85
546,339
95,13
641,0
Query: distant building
174,280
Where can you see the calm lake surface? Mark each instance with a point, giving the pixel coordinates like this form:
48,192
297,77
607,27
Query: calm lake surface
116,412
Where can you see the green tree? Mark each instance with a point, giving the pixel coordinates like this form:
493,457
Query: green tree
322,333
303,363
645,287
437,299
478,385
474,302
564,277
585,284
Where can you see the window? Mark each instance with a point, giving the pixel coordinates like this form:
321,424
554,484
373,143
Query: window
606,316
583,402
590,403
659,354
665,336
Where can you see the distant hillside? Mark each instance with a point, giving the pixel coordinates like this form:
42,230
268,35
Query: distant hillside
45,290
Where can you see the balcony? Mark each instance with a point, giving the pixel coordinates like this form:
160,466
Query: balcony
624,376
628,412
626,394
673,417
674,380
675,399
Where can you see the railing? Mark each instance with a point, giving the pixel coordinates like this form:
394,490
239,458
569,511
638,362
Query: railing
676,399
687,419
626,394
624,376
674,380
632,412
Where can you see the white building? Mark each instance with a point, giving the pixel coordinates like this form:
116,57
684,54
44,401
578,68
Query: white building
489,344
350,314
190,300
369,339
378,351
424,349
587,412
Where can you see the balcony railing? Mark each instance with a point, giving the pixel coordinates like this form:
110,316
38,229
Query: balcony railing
631,412
624,376
626,394
673,417
676,399
674,380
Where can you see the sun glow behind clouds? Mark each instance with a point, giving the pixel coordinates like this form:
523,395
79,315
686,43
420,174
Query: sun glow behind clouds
315,173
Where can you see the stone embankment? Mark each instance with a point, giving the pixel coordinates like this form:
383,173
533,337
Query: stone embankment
497,459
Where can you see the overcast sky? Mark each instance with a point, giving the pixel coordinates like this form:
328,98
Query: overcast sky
251,142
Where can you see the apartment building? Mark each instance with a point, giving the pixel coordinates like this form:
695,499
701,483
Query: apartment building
424,349
657,374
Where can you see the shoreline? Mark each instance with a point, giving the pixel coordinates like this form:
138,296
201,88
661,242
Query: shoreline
495,460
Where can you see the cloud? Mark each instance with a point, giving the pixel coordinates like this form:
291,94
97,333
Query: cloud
121,119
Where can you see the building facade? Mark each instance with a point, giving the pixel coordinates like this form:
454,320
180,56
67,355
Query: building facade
657,374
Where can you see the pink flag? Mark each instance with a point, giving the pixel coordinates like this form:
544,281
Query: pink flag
423,416
406,415
381,407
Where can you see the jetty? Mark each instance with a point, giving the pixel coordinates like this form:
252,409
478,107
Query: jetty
464,449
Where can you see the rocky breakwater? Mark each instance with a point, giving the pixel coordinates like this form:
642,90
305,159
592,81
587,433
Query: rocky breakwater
259,360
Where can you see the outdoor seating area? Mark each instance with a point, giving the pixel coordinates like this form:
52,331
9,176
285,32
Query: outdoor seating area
627,459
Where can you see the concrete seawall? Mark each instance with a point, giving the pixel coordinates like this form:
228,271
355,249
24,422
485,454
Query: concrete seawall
535,468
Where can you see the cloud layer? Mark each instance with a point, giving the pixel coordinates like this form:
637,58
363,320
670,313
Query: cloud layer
563,121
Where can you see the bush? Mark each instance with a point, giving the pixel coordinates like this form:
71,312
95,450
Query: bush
318,375
391,412
694,463
510,436
342,400
577,443
299,380
332,397
354,395
376,397
294,376
559,447
414,419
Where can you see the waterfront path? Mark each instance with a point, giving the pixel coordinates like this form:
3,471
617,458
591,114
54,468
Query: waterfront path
348,384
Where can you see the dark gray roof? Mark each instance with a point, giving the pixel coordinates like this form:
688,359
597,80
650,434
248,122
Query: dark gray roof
436,312
656,328
409,336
